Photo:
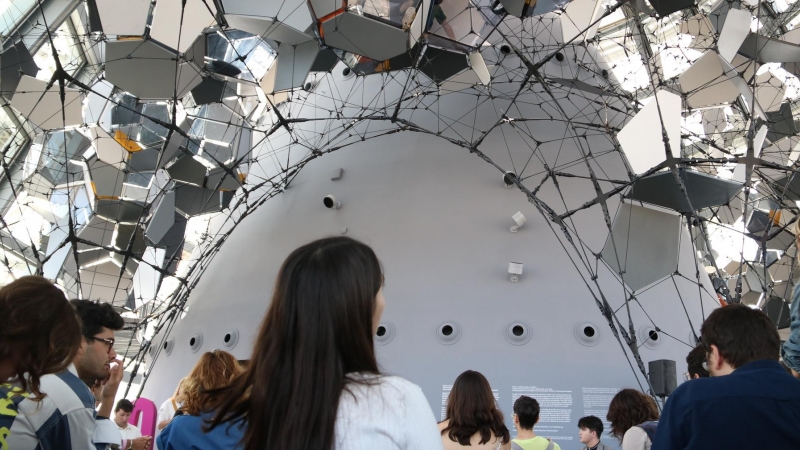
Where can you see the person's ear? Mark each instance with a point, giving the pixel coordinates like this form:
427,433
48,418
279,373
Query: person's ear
714,358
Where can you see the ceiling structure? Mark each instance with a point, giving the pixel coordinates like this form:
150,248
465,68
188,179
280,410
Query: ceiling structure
132,148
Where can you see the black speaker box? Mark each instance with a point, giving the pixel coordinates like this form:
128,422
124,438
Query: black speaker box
663,377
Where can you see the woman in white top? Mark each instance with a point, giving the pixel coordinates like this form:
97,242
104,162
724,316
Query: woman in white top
634,418
170,406
312,382
472,419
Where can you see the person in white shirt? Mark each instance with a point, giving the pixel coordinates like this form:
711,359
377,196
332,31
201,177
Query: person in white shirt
168,409
131,435
313,380
634,419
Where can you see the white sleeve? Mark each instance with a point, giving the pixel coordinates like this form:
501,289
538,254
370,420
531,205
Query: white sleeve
420,424
162,412
635,439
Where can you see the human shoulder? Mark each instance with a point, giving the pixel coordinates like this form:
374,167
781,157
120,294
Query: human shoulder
634,438
67,392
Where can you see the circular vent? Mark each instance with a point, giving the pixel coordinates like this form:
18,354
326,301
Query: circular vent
509,179
560,57
168,345
230,339
195,342
448,333
385,333
650,337
347,73
505,49
587,333
518,333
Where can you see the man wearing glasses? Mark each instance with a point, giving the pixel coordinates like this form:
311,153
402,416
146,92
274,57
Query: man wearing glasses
748,392
696,364
96,363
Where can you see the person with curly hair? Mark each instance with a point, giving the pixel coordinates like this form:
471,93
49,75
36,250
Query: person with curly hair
634,419
472,419
42,404
200,395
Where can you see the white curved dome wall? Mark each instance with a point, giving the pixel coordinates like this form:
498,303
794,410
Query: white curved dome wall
438,218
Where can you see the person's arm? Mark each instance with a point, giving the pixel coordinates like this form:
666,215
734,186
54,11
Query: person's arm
72,431
168,437
790,350
140,443
449,30
421,431
670,433
110,387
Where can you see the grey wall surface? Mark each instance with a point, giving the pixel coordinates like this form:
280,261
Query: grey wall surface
439,220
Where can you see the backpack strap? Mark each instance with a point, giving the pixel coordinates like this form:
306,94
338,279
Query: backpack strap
551,445
515,446
649,428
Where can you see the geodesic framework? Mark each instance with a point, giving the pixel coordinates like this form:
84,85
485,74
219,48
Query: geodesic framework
133,147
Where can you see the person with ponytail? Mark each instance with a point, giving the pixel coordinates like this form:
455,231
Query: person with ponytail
313,382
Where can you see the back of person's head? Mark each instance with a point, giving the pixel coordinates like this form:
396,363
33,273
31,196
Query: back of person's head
471,409
125,405
695,360
741,335
591,423
39,333
630,408
213,371
527,411
95,315
318,328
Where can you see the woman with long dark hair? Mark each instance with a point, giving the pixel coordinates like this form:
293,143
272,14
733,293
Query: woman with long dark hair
472,418
634,419
199,392
313,381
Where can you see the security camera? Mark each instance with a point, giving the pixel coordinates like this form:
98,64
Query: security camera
330,202
515,269
508,178
520,220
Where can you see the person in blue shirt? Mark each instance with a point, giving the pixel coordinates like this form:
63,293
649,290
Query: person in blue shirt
748,392
791,348
200,391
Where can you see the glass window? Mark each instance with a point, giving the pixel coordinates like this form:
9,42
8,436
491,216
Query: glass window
68,49
11,12
12,138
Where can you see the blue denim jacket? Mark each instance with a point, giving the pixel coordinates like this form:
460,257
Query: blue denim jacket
791,348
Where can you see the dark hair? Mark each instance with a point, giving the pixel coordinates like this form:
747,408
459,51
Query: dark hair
317,330
527,411
741,334
213,370
592,423
125,405
630,408
695,360
94,316
471,409
40,333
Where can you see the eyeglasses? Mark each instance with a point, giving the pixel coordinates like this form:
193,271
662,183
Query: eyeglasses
109,342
